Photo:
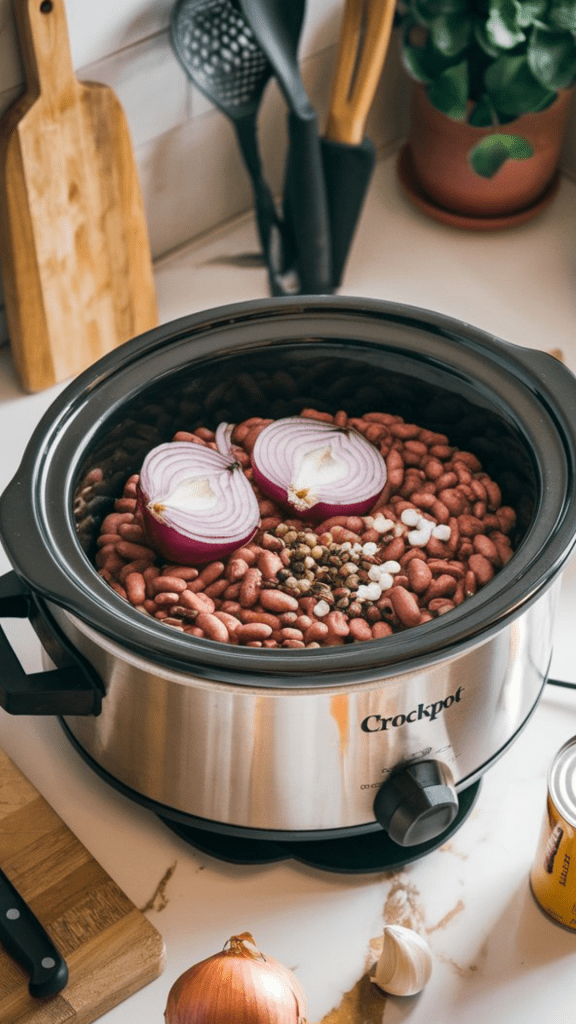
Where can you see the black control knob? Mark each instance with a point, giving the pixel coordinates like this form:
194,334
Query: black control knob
416,803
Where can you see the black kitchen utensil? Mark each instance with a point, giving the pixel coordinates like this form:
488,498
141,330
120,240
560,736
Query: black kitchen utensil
220,54
26,940
276,25
348,157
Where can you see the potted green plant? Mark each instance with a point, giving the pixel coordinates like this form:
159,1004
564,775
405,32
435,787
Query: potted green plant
494,81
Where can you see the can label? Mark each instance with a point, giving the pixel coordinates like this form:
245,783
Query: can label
553,875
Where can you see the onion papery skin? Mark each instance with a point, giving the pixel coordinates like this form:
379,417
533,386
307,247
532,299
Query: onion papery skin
201,535
280,449
236,986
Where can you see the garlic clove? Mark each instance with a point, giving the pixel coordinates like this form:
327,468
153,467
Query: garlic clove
405,963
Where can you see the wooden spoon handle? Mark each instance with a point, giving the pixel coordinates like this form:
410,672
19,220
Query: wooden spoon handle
45,47
364,39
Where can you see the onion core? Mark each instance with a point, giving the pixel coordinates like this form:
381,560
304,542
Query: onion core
318,469
195,503
237,985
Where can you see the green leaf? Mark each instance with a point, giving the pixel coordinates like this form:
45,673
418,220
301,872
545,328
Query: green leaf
451,33
426,11
483,41
414,60
483,115
562,14
552,57
449,92
502,27
423,63
529,11
512,87
491,153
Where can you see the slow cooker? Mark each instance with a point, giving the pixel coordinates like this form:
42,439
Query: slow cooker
375,746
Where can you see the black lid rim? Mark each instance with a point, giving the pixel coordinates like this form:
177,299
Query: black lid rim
52,563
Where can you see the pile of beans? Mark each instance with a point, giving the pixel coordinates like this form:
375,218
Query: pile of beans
437,533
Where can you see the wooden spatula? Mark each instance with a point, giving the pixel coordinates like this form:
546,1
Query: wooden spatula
348,157
74,246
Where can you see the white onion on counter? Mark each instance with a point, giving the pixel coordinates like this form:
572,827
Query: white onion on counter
318,469
239,985
195,502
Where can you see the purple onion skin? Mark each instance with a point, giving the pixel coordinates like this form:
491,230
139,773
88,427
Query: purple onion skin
175,547
316,513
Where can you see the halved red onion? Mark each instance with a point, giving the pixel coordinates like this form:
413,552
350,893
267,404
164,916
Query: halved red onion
318,469
195,502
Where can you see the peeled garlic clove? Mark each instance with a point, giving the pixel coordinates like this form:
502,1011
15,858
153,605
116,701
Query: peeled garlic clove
405,963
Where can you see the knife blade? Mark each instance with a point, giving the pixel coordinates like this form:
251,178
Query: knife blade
26,940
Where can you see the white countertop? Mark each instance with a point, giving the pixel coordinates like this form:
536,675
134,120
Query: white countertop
496,956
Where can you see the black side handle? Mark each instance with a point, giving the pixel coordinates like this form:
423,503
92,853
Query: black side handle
73,689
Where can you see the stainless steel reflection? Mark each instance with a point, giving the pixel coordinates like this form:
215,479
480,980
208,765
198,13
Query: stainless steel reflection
294,760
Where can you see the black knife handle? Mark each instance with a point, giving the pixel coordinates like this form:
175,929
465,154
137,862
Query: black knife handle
26,940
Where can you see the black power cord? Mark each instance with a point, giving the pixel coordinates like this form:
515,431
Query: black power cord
558,682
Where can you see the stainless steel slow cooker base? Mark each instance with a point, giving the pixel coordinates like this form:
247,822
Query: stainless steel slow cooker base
311,741
347,851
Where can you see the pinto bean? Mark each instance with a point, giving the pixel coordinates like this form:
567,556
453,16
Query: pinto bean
337,624
230,621
277,601
183,572
247,554
269,563
395,469
316,632
506,517
469,525
419,575
493,494
135,586
394,550
132,532
289,633
257,615
166,599
250,588
198,602
249,631
485,546
442,586
113,520
211,572
405,606
168,583
360,629
452,500
483,569
125,505
131,551
381,629
236,569
217,589
212,627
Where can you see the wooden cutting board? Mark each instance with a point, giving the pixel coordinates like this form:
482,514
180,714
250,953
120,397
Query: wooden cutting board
111,949
74,248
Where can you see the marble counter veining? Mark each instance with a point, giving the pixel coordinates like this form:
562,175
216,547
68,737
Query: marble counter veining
496,956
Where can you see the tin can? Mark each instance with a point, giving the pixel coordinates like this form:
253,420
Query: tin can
553,874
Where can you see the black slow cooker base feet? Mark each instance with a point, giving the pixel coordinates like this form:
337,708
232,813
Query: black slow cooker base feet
373,851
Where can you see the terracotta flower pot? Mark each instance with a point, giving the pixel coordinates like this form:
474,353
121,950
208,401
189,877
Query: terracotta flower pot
439,148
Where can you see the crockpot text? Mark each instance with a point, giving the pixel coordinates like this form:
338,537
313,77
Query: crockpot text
377,723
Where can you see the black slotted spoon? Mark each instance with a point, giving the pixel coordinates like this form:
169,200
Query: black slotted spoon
220,54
